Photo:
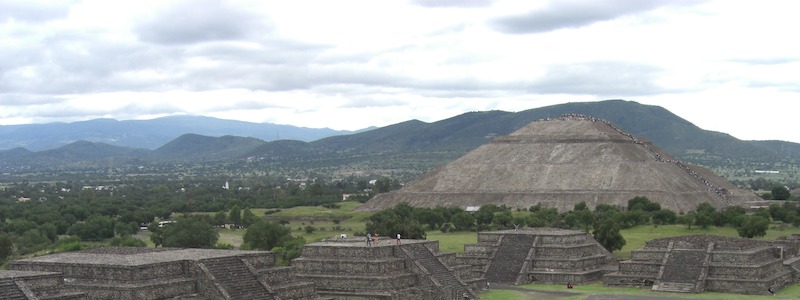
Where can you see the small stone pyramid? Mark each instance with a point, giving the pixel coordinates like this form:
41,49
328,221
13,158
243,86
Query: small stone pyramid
560,162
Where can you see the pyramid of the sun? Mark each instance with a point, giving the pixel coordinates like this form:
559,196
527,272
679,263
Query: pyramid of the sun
561,162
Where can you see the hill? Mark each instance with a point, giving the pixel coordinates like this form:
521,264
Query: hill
147,134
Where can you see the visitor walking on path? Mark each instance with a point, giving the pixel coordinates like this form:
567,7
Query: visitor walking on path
369,239
398,239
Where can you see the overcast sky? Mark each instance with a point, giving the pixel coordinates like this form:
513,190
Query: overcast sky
729,66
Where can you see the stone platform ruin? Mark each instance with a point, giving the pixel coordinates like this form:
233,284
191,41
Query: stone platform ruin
160,273
537,255
705,263
350,269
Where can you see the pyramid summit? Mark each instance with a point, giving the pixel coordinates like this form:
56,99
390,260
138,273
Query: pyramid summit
559,162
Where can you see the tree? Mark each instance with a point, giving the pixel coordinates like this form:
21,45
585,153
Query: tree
6,247
463,221
31,241
289,249
220,218
396,220
429,217
688,219
156,234
644,204
383,185
126,229
664,217
265,235
780,193
703,220
235,215
316,190
607,234
96,228
190,232
248,217
753,226
502,219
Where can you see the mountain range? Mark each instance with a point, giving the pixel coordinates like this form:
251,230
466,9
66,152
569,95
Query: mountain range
412,146
148,134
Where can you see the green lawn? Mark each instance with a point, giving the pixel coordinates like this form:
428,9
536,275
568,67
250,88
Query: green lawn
453,241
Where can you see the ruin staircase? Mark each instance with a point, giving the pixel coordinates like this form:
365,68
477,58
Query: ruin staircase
683,271
438,271
9,290
235,280
509,258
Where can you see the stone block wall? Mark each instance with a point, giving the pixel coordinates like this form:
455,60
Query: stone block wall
262,260
567,251
347,252
565,240
276,275
749,286
639,268
749,256
488,237
102,273
560,278
479,249
361,283
347,266
648,255
753,271
575,264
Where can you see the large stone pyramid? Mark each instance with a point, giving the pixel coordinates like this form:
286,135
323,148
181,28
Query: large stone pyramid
561,162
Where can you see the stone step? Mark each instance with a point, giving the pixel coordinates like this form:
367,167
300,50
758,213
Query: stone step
236,279
678,287
65,296
10,290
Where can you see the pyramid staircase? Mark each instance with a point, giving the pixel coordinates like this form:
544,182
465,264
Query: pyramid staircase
684,270
9,290
234,279
509,258
438,271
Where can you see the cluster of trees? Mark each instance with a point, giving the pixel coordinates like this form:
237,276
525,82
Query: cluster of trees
604,222
34,215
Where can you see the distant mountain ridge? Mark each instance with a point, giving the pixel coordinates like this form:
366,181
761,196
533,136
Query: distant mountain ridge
414,147
148,134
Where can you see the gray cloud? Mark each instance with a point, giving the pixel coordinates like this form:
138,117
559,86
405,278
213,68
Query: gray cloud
604,79
575,13
33,11
192,22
